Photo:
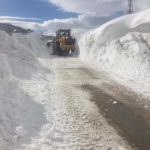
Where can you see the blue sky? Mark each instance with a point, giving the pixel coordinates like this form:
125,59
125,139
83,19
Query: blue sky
32,9
79,15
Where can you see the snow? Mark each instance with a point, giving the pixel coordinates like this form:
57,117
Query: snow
19,113
121,48
40,106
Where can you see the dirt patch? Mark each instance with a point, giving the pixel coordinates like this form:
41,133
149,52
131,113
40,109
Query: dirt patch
132,123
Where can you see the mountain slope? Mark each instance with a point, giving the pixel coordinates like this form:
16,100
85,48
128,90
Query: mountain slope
13,29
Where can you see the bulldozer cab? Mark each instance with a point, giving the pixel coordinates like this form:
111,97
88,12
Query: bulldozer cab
62,32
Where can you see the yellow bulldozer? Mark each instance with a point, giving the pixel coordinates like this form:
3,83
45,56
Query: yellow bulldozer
63,43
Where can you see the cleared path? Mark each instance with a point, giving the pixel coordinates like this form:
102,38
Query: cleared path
85,110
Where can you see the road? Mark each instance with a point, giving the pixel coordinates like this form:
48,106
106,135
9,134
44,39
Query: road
85,110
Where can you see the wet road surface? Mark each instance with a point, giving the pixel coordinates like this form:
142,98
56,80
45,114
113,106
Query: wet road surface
130,122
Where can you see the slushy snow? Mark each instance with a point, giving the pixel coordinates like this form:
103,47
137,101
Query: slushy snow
121,48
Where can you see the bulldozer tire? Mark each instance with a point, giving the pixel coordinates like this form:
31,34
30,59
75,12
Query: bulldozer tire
55,49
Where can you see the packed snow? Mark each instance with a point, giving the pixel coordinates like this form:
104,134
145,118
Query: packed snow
121,48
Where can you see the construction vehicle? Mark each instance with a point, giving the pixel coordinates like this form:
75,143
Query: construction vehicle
63,43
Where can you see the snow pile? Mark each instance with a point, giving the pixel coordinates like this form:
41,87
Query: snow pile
18,61
121,47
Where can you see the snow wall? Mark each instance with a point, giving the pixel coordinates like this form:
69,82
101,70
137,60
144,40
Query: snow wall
120,47
18,61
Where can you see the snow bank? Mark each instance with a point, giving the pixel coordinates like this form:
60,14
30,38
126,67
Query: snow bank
121,47
19,60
